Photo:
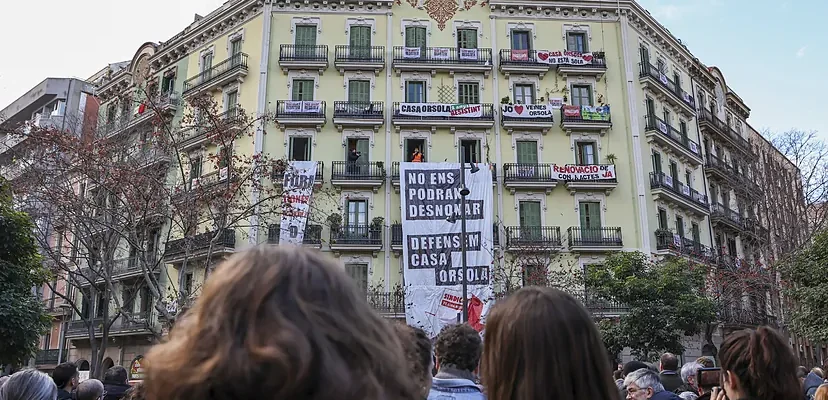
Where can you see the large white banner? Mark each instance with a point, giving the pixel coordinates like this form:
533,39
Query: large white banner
574,173
431,245
297,189
563,57
526,110
441,110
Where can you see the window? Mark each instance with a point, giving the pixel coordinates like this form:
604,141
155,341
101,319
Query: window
645,56
360,41
305,41
359,91
677,80
470,151
702,98
47,341
674,171
524,93
188,284
302,90
359,273
576,41
100,305
415,144
657,162
195,167
357,213
521,40
662,67
167,82
527,151
362,146
680,226
590,216
206,61
665,115
688,178
86,303
662,219
694,230
300,148
581,95
529,213
468,93
415,92
129,294
585,154
231,100
415,36
146,301
235,47
224,156
56,108
650,106
467,38
111,113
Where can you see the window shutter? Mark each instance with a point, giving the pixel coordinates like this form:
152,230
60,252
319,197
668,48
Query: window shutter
530,214
358,91
527,152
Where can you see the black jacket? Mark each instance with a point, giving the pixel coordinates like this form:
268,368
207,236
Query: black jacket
671,380
64,395
353,156
115,391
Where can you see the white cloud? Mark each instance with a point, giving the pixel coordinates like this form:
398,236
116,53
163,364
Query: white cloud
801,52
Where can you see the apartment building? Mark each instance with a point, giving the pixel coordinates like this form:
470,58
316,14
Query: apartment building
598,84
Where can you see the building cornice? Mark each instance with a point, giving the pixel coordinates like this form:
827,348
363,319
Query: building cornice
117,84
735,104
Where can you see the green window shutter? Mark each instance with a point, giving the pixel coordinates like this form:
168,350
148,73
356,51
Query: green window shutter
662,219
467,38
415,36
657,163
527,152
362,147
680,226
359,91
302,90
590,215
305,35
360,41
530,214
468,93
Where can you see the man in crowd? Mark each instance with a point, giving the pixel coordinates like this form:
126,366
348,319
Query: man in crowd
644,384
90,389
688,376
669,366
115,383
65,376
457,352
628,368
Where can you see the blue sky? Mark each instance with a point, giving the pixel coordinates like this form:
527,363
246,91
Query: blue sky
772,53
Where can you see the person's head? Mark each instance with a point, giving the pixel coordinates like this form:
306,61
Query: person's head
65,376
668,362
136,392
706,362
642,384
280,322
617,374
818,372
116,374
801,374
29,384
540,340
458,346
416,149
758,364
633,366
688,373
90,389
821,392
417,348
688,396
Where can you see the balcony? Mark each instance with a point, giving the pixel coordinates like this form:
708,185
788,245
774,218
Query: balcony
725,217
710,123
448,59
434,115
529,238
395,175
596,67
594,239
204,131
753,228
586,118
293,56
526,117
148,154
528,176
49,357
658,131
669,243
312,237
233,69
213,243
307,113
665,89
359,58
367,174
356,238
122,268
665,188
388,304
17,169
740,318
357,114
277,176
721,169
581,178
167,103
522,62
140,324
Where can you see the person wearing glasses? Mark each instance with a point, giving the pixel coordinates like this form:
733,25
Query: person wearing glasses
645,384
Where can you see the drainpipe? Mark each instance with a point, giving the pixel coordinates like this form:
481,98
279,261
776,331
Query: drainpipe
261,110
498,156
389,46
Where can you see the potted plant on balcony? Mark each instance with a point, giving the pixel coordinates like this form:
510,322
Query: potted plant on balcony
335,223
376,228
506,100
611,158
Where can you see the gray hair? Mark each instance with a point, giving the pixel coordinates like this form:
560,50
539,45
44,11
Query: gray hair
644,378
29,384
690,369
688,396
90,389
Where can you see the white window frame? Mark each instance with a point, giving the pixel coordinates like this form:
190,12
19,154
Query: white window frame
416,76
304,21
596,154
577,28
299,132
530,196
226,91
414,134
303,75
528,136
524,80
211,49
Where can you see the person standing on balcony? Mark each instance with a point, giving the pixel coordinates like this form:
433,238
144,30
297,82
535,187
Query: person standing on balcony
417,156
353,156
65,376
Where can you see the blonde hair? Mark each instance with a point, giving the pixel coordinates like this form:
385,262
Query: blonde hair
821,392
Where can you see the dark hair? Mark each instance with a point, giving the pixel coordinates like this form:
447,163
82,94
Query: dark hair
459,346
280,323
617,374
417,348
116,374
633,366
763,363
540,340
136,392
801,372
64,373
669,362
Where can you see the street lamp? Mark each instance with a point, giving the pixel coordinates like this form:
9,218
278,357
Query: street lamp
464,191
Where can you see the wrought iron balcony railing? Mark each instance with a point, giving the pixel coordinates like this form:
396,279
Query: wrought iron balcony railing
368,170
358,235
597,237
235,62
533,236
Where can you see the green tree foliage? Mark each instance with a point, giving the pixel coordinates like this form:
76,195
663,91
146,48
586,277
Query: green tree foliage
22,317
806,287
666,300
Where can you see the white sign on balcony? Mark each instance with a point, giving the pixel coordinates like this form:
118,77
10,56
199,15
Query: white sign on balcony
694,147
412,52
668,180
441,53
298,188
468,54
563,57
526,110
677,240
575,173
685,190
223,174
307,106
662,126
662,78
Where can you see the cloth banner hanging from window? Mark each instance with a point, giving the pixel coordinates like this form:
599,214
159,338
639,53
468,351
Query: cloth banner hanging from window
297,186
563,57
432,266
574,173
441,53
526,110
468,54
412,52
307,106
441,110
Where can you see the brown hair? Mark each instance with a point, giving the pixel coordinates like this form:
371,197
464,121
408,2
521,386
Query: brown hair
540,341
136,392
280,323
458,346
417,348
821,392
763,363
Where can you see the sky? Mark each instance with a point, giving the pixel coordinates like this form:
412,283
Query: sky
773,53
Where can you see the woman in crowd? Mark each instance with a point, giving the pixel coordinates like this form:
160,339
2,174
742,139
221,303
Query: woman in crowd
758,365
29,384
541,343
280,323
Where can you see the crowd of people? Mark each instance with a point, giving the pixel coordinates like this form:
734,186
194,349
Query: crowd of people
286,323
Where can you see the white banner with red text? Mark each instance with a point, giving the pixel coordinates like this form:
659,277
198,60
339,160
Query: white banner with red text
441,110
553,57
526,110
574,173
297,187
